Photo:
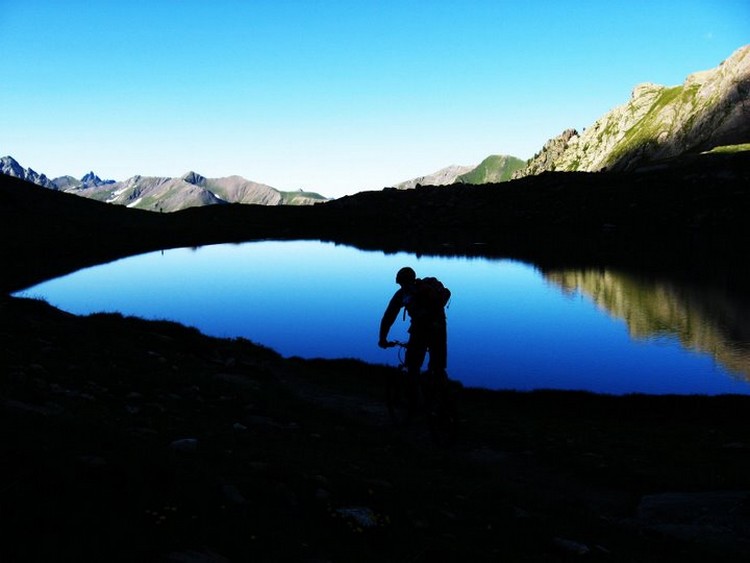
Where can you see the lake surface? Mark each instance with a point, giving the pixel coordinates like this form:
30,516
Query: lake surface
510,326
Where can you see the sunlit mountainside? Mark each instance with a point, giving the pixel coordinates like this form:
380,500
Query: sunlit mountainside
711,108
493,169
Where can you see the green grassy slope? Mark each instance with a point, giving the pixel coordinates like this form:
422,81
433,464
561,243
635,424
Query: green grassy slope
493,169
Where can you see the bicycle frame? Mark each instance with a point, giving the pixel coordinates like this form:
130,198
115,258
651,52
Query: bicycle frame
402,347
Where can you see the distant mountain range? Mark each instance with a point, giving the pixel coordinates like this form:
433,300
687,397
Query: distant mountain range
163,193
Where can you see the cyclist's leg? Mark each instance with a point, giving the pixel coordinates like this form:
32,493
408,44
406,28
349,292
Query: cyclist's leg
394,393
416,350
441,405
437,376
438,346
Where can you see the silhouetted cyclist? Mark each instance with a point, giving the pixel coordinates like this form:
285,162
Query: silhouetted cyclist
424,301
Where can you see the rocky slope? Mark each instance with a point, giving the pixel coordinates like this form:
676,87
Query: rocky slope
154,193
10,167
89,180
190,190
494,168
442,177
711,108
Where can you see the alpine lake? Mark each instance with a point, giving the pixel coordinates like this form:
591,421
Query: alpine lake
510,325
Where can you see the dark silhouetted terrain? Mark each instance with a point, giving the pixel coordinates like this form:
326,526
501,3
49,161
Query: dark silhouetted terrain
132,440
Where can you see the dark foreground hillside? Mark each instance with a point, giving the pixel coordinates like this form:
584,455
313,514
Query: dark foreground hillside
132,440
127,440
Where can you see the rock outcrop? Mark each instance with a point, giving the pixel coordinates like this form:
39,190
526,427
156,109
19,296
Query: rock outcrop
443,177
711,108
546,160
89,180
10,167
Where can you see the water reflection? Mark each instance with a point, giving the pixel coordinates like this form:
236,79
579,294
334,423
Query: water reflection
509,325
705,319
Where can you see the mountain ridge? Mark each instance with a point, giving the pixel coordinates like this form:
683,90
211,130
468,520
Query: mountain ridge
494,168
10,167
710,108
161,193
443,177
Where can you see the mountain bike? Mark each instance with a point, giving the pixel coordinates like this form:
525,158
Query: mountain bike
434,394
397,392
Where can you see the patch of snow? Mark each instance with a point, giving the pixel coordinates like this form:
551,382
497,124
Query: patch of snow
116,194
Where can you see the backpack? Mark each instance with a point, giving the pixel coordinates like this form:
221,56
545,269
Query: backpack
430,298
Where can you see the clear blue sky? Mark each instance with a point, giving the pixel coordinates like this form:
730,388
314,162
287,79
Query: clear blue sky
330,96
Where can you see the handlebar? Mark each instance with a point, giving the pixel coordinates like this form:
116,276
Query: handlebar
394,343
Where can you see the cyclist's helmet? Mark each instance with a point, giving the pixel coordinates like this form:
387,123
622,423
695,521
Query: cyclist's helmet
406,276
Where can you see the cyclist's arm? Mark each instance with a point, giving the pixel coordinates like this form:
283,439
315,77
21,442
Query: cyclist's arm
389,317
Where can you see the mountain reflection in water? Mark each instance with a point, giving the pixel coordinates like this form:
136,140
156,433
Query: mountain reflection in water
705,319
509,326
